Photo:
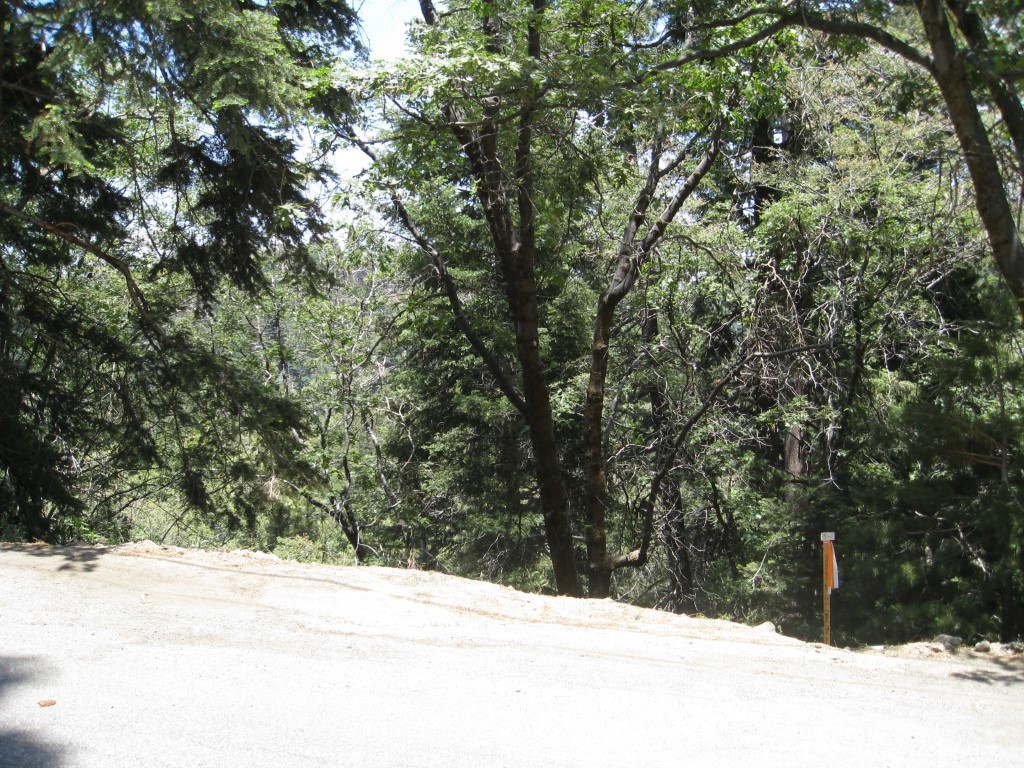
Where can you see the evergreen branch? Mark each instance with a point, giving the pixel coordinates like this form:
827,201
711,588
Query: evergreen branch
135,293
489,358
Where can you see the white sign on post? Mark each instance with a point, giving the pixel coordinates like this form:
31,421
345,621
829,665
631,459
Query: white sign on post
828,536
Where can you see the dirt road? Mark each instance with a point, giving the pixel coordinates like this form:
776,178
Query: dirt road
163,657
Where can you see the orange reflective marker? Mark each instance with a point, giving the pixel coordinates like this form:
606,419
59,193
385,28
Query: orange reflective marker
829,580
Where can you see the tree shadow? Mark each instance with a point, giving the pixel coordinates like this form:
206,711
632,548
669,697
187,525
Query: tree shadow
20,748
1008,671
82,557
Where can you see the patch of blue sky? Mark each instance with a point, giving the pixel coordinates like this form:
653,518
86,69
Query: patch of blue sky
384,24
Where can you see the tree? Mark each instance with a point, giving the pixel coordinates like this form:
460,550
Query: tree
536,161
905,441
147,156
973,55
525,106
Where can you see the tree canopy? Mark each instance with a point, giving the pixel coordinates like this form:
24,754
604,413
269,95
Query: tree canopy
149,154
630,299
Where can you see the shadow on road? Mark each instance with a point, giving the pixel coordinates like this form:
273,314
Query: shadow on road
1000,672
18,748
76,558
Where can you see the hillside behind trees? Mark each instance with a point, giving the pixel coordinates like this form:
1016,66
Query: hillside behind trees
631,299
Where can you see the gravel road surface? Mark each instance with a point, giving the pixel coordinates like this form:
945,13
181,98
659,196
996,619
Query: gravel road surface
150,656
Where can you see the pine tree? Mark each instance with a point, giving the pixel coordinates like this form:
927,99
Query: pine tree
148,153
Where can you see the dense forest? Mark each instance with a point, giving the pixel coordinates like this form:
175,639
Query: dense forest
623,298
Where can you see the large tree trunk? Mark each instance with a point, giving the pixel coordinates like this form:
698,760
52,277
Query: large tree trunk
521,274
515,248
993,205
554,497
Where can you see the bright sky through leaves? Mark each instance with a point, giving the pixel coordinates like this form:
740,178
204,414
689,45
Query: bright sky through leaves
384,23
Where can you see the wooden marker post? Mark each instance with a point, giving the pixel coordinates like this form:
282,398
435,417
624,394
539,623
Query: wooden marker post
829,580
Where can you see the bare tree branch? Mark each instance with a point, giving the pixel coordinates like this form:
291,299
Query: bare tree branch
799,18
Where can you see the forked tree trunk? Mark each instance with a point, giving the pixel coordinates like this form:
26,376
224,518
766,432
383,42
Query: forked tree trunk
514,242
635,248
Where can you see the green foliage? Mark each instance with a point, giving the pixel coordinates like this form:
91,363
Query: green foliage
187,353
821,360
144,161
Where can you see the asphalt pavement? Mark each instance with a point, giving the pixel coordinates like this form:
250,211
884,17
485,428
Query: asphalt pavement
168,658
